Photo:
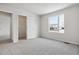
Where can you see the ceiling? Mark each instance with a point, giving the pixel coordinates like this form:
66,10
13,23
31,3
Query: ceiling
40,8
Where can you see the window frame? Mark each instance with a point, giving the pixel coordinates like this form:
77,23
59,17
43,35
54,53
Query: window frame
58,24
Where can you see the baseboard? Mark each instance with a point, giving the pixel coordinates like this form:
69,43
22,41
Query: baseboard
76,43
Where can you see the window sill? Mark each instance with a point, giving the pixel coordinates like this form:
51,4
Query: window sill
57,32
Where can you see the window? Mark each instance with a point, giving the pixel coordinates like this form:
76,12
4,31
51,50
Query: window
56,23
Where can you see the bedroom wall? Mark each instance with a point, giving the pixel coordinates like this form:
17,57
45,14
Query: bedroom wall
71,22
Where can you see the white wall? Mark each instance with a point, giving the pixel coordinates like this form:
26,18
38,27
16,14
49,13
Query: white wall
32,22
71,21
33,27
14,28
4,26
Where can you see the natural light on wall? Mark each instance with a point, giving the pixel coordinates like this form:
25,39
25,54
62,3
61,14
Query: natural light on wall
56,23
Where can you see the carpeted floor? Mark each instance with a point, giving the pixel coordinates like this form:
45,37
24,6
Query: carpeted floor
38,46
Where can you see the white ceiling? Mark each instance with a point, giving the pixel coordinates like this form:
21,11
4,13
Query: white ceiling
40,8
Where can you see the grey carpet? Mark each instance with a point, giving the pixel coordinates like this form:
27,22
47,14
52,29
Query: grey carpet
38,46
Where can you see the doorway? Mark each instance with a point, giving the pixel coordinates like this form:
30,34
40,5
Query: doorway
22,28
5,27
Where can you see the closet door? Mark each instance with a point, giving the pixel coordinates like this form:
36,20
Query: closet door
22,27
